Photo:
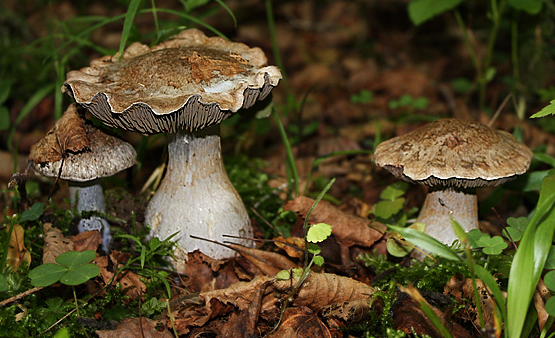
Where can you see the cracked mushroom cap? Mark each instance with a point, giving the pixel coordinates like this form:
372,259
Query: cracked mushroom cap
451,152
188,82
87,152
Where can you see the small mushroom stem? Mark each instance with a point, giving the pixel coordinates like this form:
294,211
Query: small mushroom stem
443,203
89,197
196,196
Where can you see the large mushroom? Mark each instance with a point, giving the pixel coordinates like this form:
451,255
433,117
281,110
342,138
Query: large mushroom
453,157
184,87
81,154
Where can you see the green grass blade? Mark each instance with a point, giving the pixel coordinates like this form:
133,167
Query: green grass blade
229,11
127,23
424,241
530,258
292,168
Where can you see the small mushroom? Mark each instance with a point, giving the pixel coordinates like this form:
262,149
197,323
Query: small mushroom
183,87
453,157
81,154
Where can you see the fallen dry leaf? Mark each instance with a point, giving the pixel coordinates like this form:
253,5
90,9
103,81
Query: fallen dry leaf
17,253
88,240
205,273
301,322
130,282
294,246
55,243
317,291
269,263
244,324
541,295
346,228
137,327
67,135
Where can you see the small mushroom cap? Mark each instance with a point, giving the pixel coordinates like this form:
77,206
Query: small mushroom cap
457,153
189,82
86,155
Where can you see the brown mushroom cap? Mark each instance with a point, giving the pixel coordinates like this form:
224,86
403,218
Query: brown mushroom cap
451,152
188,82
87,152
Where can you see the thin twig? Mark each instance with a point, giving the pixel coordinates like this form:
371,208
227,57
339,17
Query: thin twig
21,295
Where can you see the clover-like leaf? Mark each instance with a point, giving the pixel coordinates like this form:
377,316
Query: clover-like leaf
72,269
519,223
72,259
318,232
512,233
492,245
80,274
474,236
550,306
46,274
33,213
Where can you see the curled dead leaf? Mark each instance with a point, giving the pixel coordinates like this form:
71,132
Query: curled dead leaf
130,282
294,246
301,322
269,263
67,135
17,253
55,243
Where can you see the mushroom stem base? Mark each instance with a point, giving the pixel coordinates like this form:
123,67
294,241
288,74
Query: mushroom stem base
441,205
89,197
197,198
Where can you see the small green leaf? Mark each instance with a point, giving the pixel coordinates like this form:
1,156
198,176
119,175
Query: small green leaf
318,260
397,248
421,103
63,333
549,280
33,213
394,190
318,232
283,275
46,274
459,231
547,110
313,249
297,272
386,209
492,245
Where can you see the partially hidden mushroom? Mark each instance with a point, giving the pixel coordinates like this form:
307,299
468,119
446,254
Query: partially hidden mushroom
81,154
184,87
453,157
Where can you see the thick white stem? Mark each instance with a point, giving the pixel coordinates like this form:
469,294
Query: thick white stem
89,197
197,198
441,205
